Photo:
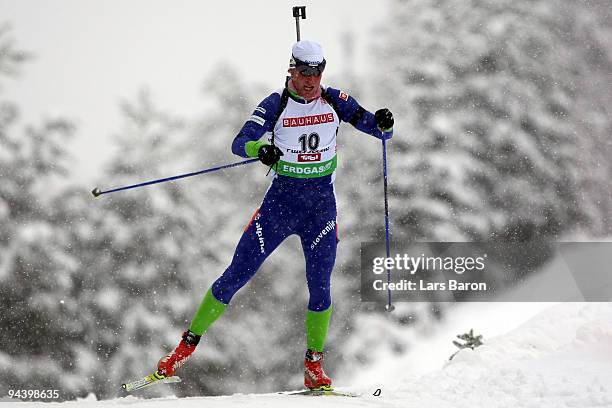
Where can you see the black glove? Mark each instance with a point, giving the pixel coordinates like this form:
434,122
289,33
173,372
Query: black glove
269,154
384,119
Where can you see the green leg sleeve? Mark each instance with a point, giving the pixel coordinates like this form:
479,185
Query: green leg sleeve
316,328
210,309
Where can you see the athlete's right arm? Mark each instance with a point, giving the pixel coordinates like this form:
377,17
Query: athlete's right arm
261,121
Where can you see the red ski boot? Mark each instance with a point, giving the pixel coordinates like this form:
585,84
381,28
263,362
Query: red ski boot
172,361
314,376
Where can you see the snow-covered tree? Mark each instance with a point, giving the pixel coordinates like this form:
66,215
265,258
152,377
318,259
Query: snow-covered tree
490,100
136,250
37,330
501,109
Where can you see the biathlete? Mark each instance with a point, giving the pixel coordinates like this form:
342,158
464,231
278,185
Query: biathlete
301,122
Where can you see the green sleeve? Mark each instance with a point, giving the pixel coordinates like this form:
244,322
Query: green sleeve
252,148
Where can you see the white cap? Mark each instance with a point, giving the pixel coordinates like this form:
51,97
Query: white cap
307,51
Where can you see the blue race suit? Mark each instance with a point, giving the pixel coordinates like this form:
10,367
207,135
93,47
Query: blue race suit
295,205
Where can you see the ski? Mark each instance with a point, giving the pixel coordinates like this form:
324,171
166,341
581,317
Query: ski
320,392
155,378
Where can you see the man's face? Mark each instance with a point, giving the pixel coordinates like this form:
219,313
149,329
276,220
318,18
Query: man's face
306,86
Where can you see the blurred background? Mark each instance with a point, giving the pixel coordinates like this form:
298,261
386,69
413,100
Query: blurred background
502,132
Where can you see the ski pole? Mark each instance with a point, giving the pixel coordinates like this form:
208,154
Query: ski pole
298,11
97,192
389,307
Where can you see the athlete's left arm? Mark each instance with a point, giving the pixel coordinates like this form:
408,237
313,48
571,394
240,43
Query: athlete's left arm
350,111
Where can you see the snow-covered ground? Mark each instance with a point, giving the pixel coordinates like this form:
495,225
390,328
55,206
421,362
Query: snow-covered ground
561,357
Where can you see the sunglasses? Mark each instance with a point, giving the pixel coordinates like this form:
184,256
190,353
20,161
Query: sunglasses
307,69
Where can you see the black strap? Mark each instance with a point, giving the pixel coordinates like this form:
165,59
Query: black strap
283,104
191,338
331,102
281,108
